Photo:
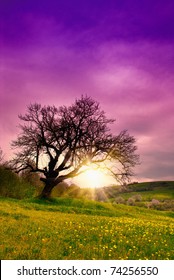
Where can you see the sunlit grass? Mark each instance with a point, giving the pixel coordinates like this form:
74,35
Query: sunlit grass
149,195
73,229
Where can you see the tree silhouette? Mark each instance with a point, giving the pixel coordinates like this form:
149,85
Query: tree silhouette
58,142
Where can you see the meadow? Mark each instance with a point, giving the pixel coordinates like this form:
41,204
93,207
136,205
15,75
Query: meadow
74,227
156,195
66,228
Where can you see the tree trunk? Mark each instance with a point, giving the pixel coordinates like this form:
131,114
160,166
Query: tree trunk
46,192
49,185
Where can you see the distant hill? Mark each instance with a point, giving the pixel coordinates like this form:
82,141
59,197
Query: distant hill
156,195
150,186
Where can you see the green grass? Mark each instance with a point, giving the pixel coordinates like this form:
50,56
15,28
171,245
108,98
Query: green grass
79,229
152,186
148,191
149,195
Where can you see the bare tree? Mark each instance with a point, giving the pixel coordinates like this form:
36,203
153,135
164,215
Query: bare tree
58,142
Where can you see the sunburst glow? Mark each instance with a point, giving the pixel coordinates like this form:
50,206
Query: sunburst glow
93,178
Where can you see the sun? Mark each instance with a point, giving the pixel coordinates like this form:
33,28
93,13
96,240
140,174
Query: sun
92,178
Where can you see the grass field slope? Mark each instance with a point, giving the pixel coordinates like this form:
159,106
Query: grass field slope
123,224
66,228
155,195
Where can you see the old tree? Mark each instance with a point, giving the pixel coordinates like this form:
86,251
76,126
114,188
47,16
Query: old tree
58,142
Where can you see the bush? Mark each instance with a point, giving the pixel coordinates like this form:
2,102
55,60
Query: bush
167,205
137,197
131,201
11,185
119,200
154,204
31,178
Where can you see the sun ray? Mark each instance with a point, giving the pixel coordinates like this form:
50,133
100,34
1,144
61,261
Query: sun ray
93,177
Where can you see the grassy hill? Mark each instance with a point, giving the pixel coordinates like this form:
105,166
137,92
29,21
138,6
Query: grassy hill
157,195
79,229
73,227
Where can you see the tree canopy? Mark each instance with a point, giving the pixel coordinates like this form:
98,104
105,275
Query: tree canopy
58,142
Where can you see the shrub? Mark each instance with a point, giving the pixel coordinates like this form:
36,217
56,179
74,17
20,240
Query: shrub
131,201
11,185
137,197
154,204
119,200
168,205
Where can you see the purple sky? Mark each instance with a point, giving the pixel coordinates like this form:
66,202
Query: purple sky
119,52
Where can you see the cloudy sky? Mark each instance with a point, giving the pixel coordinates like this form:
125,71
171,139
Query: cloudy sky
120,52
